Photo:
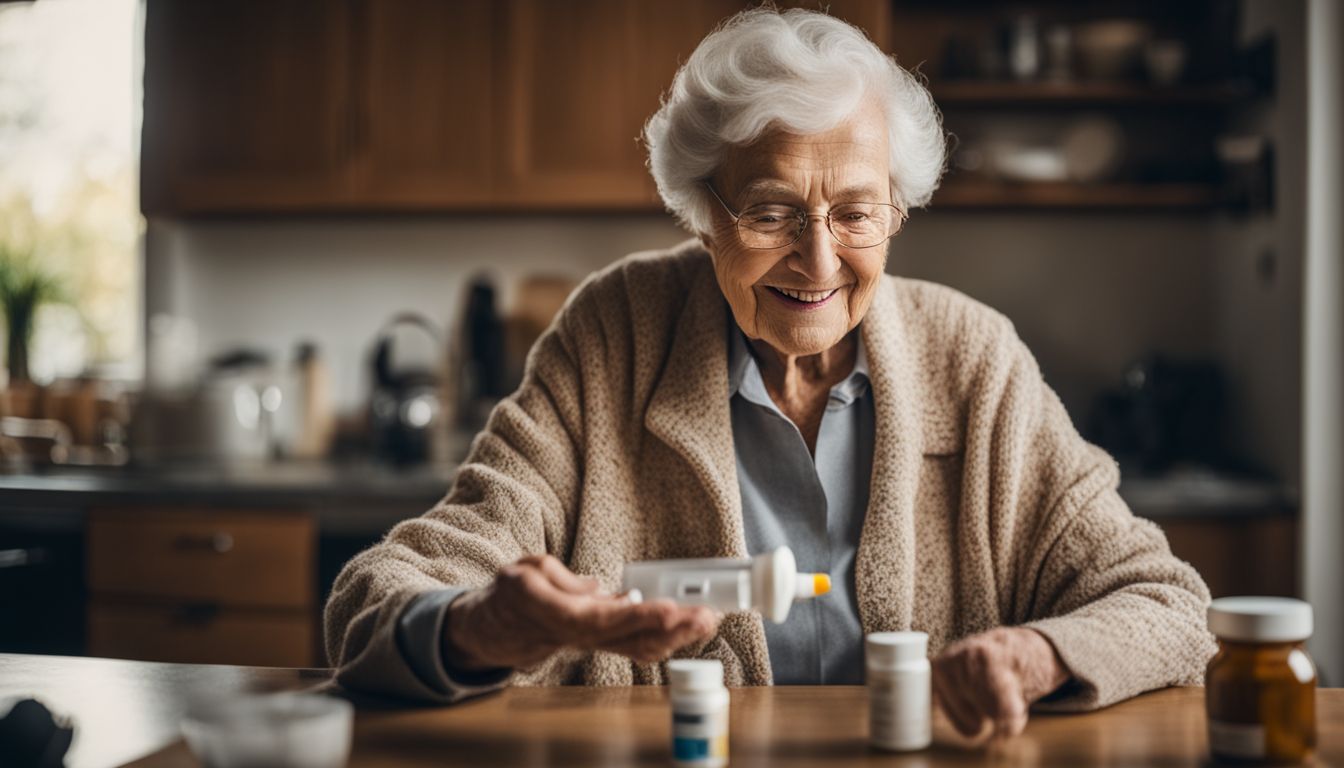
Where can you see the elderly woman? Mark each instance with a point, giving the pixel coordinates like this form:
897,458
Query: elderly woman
767,384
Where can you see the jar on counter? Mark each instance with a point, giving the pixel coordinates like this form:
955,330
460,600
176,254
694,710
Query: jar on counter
900,691
1260,688
699,713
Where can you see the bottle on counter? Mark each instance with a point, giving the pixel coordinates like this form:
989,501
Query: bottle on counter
900,690
310,432
1260,688
699,713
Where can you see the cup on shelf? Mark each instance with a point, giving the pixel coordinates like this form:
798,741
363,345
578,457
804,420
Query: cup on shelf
1165,61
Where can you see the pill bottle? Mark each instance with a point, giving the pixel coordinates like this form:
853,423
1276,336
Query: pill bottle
699,713
768,583
1260,688
899,691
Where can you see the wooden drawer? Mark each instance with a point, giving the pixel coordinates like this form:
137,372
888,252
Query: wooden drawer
1239,555
231,558
203,635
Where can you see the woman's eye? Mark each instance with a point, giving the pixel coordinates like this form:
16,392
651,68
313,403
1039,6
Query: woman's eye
769,216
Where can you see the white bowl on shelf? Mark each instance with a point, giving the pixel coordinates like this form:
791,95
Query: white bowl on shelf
1109,49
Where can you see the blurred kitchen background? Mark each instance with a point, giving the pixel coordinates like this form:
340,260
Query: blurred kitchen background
265,267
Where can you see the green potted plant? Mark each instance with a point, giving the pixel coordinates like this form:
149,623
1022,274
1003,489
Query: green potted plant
24,287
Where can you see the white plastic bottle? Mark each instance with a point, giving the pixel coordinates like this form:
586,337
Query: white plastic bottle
767,583
900,706
699,713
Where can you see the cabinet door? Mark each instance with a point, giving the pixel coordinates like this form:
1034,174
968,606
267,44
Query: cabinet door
426,105
246,106
582,78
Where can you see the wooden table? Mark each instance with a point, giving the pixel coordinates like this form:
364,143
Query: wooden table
126,710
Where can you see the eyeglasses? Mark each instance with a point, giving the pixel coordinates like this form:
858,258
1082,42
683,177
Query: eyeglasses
853,225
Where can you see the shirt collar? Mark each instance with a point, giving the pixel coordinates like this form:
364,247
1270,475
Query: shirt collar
744,376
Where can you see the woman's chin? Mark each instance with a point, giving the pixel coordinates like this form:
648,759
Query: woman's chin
803,341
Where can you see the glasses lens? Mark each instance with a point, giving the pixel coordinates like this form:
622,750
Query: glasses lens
862,225
769,226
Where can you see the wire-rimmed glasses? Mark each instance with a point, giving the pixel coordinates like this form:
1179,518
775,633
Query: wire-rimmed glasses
853,225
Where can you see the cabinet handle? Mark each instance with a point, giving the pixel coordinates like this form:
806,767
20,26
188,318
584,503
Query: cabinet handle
194,614
220,543
18,558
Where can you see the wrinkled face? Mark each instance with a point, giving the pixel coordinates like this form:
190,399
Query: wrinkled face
832,286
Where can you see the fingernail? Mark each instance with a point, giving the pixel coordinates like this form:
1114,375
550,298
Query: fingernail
634,596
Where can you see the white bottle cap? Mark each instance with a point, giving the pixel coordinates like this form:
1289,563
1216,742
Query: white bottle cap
695,674
807,585
772,577
889,649
1260,619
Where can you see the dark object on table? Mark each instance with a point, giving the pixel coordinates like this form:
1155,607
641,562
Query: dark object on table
407,416
1166,412
31,737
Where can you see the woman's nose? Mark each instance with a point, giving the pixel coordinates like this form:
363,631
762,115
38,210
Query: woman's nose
815,255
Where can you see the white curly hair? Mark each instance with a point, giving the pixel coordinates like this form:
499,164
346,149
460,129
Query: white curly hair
798,70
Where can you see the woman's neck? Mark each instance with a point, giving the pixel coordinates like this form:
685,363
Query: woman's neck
800,384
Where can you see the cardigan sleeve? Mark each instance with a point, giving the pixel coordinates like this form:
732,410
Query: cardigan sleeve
515,495
1124,614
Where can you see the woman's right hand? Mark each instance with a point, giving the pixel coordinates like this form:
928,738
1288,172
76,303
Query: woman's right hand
537,606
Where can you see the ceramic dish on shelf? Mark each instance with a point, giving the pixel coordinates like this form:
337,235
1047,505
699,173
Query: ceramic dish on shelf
1109,49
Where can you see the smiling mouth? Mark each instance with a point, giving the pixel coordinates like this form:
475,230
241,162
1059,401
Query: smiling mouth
806,298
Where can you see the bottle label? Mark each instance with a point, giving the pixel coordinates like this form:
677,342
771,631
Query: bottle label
899,710
1246,740
699,737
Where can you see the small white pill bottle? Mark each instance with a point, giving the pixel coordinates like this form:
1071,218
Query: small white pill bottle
900,706
699,713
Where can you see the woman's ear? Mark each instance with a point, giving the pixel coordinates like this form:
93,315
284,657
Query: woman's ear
706,242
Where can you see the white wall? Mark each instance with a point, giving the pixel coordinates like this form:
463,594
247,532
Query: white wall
271,283
1089,293
1323,496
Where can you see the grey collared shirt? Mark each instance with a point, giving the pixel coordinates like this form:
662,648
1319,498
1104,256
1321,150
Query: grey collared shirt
814,504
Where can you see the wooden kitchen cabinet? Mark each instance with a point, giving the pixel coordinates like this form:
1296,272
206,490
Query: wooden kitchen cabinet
414,105
246,106
1253,555
203,585
581,86
427,104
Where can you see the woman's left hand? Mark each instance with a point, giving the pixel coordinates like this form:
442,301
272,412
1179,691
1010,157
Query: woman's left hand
993,677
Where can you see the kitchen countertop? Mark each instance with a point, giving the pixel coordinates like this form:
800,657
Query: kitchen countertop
355,498
367,498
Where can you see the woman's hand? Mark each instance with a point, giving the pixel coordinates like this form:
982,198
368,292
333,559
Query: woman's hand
993,677
537,606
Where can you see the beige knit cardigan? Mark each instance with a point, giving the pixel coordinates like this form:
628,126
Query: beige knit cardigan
986,507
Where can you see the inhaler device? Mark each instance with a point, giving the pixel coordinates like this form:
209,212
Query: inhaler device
766,583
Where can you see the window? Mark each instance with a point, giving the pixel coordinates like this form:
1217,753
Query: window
69,138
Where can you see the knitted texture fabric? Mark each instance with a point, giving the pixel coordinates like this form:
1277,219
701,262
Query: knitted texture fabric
986,506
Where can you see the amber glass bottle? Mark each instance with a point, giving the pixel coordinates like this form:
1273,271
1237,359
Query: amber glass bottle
1260,688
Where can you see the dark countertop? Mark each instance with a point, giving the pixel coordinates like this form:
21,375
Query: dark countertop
355,498
366,498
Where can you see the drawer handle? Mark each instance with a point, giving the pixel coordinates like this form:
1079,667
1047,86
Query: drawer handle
18,558
195,614
219,543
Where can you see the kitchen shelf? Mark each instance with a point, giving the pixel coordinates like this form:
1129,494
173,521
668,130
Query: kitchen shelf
1068,195
1004,93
